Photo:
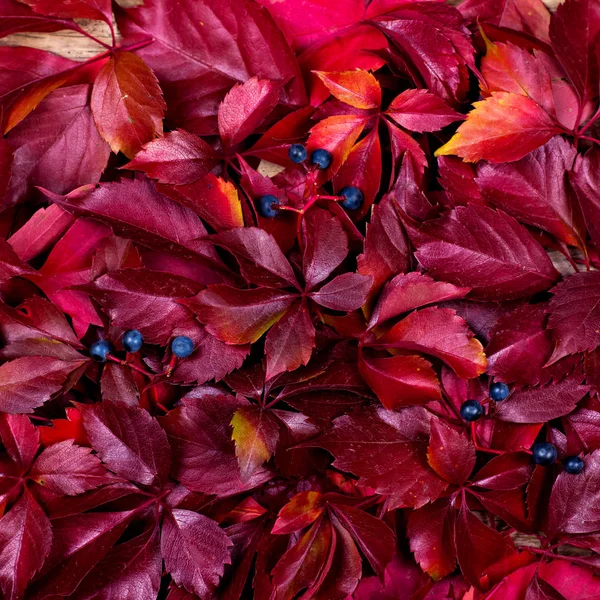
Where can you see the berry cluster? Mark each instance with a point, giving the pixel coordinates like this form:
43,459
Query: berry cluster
350,197
543,453
181,346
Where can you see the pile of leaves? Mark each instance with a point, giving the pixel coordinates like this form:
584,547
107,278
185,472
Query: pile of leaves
314,443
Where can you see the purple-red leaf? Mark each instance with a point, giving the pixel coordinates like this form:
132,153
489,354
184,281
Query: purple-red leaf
128,440
195,550
178,158
486,250
67,469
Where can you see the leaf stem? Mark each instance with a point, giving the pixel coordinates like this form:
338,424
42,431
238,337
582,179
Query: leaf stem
87,34
590,122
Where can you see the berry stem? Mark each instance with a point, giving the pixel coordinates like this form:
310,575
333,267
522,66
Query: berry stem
40,419
172,365
130,365
333,198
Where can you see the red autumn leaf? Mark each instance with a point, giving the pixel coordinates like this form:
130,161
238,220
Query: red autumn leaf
244,109
376,437
118,385
79,542
213,199
290,341
584,179
222,45
490,547
505,472
195,550
385,249
573,503
325,246
419,110
407,292
400,380
146,300
41,231
535,191
430,533
574,314
538,589
200,433
69,9
573,47
158,223
70,428
127,103
10,264
28,382
133,567
501,128
62,132
527,16
70,470
16,17
544,403
21,90
302,510
239,316
450,454
362,169
345,293
510,68
128,440
25,539
520,345
485,250
441,333
20,439
177,158
255,433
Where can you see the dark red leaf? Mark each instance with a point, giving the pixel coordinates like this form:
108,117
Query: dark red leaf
178,158
128,440
244,108
28,382
200,433
368,438
58,147
133,567
544,403
67,469
575,315
195,550
25,539
430,530
450,454
485,250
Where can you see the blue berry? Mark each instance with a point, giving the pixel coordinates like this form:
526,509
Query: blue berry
471,410
354,197
544,453
297,153
499,391
182,346
265,206
100,349
132,340
573,465
321,158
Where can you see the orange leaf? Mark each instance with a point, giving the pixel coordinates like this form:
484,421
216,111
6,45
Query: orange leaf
302,510
127,103
211,198
337,135
502,128
357,88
